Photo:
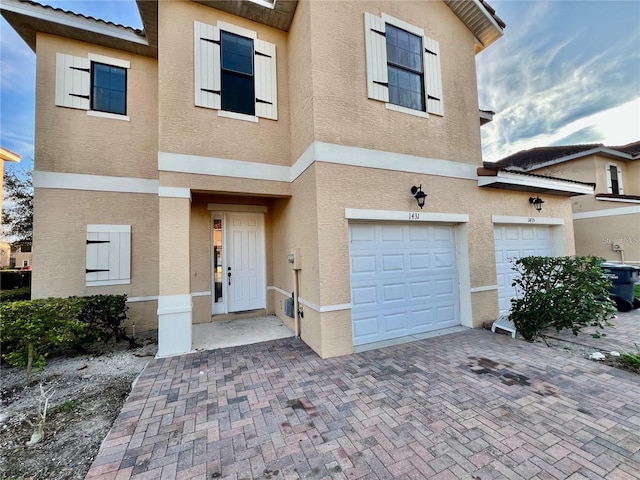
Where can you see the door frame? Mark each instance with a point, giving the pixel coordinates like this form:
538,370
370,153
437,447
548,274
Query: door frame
218,210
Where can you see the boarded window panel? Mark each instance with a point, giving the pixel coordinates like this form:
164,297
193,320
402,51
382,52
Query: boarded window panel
207,65
266,87
108,255
73,81
433,76
376,53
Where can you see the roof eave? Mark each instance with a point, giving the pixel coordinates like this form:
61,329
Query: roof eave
527,183
478,20
28,18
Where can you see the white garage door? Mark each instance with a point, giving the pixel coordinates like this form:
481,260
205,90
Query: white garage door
513,242
403,280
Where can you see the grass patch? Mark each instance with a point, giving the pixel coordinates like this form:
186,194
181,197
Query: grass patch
636,290
66,406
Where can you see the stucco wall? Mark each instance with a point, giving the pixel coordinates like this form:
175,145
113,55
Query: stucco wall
596,236
185,128
69,140
60,228
344,115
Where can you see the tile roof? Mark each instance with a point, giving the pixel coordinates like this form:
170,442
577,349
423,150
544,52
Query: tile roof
80,15
532,158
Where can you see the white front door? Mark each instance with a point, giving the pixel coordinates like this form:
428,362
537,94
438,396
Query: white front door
245,276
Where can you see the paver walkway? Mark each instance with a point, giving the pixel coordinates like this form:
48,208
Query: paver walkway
470,405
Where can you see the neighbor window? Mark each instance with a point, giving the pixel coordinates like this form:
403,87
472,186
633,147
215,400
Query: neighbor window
403,66
108,88
614,179
404,60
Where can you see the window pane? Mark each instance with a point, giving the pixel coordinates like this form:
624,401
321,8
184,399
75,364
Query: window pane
405,88
404,49
108,89
238,93
237,53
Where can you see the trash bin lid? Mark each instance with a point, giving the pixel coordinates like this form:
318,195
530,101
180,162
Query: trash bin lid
619,266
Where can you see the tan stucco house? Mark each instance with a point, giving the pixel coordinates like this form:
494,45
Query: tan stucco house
606,223
235,154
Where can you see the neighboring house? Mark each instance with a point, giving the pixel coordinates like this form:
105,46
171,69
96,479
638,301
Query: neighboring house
234,154
5,156
21,257
5,254
607,223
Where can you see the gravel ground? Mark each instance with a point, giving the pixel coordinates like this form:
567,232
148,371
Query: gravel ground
87,394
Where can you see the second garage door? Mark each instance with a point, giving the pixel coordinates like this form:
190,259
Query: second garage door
513,242
403,280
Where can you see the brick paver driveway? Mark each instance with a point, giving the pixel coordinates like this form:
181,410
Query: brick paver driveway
470,405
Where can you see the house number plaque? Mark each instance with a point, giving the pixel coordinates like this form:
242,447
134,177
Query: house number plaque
414,216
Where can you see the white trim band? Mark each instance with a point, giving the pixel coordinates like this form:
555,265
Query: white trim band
172,304
605,199
279,290
527,220
95,183
326,308
316,152
609,212
408,216
150,298
525,180
488,288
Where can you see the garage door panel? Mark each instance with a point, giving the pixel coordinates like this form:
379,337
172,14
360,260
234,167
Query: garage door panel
391,233
392,263
393,292
419,261
401,278
366,295
363,264
512,243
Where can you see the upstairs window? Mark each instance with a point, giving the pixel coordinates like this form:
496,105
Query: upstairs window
614,179
108,89
404,60
235,72
237,89
403,66
95,83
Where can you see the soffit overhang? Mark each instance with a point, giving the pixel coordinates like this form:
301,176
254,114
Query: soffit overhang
522,182
28,18
277,13
486,26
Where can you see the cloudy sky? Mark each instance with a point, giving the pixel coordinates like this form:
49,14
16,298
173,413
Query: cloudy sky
565,72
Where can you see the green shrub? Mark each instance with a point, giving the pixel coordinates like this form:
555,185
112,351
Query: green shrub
29,329
102,317
23,293
560,292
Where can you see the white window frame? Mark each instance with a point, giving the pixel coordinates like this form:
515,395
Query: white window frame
609,179
377,73
112,254
73,76
208,69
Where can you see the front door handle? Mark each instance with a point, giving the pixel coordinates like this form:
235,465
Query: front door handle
229,277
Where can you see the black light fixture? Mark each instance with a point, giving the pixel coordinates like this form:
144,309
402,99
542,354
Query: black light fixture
536,202
419,195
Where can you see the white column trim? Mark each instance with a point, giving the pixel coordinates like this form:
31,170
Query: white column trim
174,324
609,212
174,192
200,294
96,183
325,308
508,219
279,290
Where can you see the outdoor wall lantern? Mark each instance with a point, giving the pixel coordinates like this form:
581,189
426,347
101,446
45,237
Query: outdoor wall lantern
536,202
419,195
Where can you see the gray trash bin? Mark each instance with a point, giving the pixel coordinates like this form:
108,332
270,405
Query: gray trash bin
623,277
